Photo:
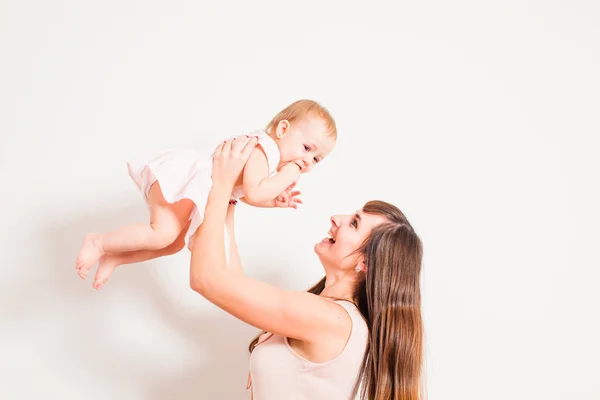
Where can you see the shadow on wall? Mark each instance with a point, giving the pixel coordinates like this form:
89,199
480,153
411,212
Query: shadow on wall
80,330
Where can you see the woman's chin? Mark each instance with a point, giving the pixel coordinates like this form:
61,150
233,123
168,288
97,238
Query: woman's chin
317,247
322,246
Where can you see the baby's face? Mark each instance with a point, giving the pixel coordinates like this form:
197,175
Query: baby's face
305,143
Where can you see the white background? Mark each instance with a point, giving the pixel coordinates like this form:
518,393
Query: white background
478,119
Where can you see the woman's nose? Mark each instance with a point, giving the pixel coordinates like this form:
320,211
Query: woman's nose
335,220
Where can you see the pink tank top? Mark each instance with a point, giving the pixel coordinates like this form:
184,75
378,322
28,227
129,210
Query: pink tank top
277,372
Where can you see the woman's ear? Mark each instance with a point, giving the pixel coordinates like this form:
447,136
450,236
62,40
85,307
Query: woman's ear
362,265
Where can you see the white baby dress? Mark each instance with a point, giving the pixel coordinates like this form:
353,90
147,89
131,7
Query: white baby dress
186,174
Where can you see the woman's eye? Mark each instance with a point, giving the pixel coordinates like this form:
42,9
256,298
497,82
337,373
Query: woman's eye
354,223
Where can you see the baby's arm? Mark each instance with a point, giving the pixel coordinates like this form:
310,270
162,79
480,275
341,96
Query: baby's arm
259,187
266,204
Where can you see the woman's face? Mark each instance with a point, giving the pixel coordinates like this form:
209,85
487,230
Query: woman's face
347,234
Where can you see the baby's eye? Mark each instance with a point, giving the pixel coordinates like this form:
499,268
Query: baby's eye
306,148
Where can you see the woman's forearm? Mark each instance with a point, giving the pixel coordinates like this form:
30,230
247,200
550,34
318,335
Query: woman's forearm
235,262
208,252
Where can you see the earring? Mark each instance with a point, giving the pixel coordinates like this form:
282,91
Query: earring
358,268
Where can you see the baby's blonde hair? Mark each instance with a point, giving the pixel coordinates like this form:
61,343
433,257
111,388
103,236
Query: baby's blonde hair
301,109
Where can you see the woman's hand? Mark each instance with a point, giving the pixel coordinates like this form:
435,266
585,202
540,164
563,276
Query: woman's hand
229,159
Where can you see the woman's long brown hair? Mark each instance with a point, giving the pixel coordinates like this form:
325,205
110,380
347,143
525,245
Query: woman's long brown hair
390,300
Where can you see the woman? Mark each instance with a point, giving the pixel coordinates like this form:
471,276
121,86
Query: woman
359,330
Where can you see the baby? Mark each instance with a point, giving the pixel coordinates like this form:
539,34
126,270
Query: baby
176,184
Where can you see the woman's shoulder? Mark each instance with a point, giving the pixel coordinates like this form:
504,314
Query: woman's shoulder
355,341
359,324
351,308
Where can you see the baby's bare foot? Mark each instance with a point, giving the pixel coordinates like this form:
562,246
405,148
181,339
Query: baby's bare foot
106,266
90,253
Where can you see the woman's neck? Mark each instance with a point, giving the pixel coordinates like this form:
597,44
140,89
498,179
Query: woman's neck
339,286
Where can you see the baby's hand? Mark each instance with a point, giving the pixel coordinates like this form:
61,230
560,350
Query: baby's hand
288,199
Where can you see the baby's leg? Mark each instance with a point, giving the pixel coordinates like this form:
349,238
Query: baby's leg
166,223
109,262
